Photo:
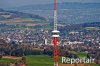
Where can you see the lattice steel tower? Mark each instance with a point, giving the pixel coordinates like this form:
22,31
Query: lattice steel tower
55,35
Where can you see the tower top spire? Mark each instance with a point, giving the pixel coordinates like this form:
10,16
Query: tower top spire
55,6
55,15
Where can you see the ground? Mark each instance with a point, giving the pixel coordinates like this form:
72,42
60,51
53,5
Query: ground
39,60
35,60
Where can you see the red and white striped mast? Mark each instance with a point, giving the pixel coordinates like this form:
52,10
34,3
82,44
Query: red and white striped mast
55,35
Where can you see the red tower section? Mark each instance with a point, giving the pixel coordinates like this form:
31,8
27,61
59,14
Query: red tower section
55,50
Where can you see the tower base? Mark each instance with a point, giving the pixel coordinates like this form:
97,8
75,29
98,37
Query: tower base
55,64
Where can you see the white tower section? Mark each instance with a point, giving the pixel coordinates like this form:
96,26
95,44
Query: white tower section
55,31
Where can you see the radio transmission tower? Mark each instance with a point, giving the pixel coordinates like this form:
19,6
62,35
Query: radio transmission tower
55,35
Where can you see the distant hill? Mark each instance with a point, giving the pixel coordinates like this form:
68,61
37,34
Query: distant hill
65,5
68,12
93,24
5,15
1,10
81,26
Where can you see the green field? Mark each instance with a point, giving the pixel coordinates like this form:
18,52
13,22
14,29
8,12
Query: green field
32,60
43,60
36,60
39,60
79,54
7,61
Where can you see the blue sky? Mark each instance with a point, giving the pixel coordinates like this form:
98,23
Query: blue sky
17,3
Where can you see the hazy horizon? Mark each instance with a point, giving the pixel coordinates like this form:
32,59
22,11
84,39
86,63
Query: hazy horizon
18,3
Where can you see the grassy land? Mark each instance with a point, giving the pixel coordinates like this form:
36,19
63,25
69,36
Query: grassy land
7,61
44,60
80,54
37,60
93,64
